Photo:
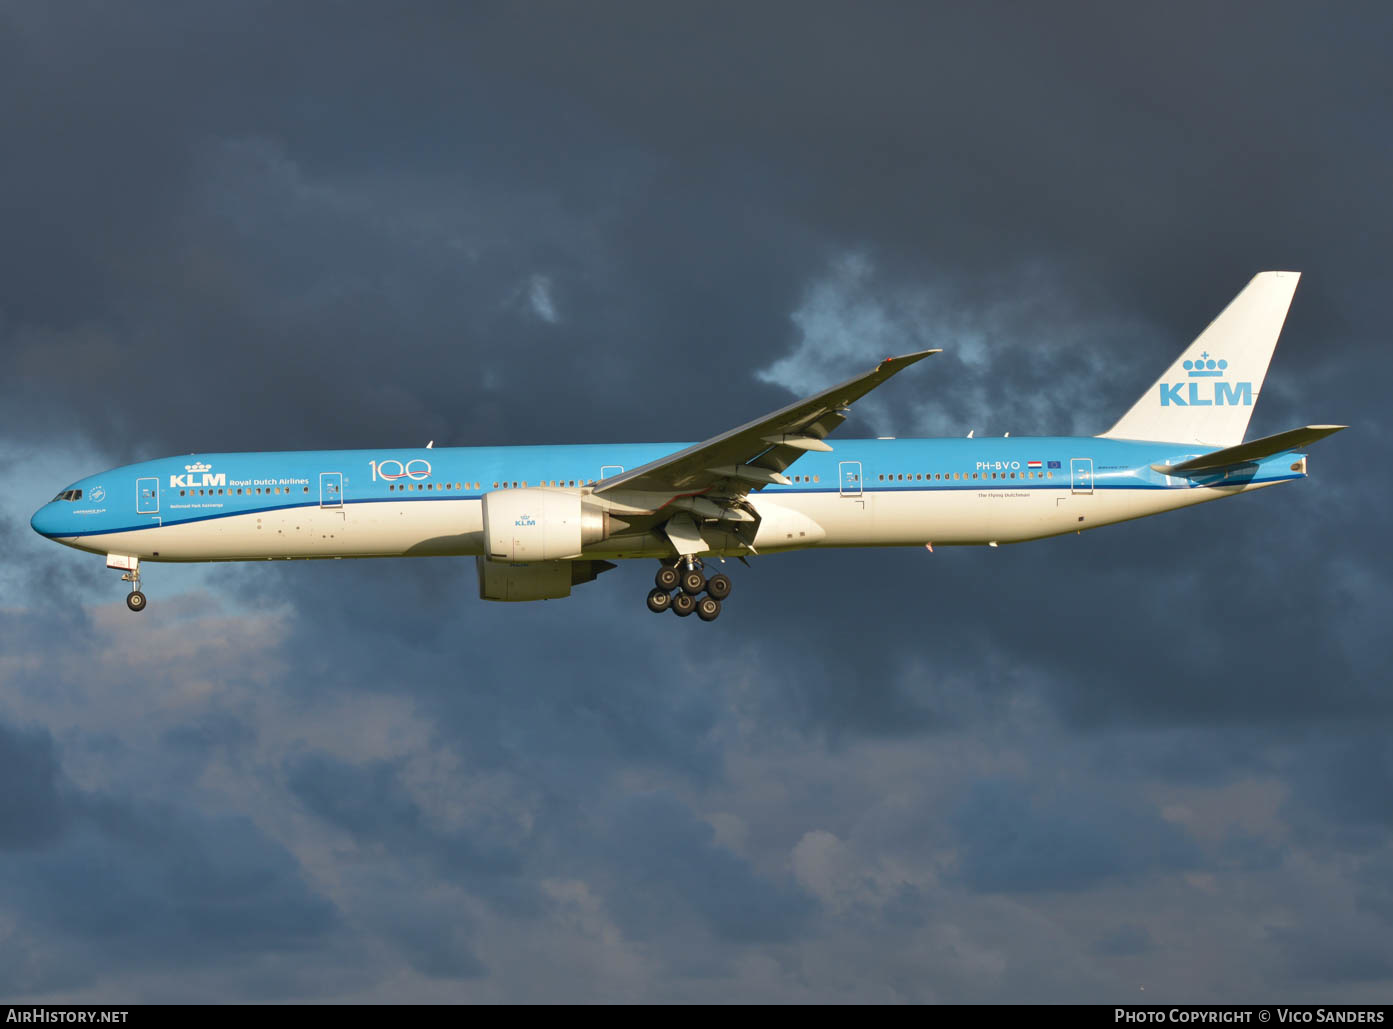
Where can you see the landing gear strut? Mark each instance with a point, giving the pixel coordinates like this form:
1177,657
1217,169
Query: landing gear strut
135,600
689,581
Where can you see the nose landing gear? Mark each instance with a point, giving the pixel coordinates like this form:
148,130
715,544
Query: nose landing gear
689,583
135,600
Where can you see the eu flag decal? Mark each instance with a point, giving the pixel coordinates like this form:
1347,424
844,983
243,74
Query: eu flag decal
1054,464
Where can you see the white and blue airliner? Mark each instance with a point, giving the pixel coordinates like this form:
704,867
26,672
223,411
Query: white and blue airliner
540,520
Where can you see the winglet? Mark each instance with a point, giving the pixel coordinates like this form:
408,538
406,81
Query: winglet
908,359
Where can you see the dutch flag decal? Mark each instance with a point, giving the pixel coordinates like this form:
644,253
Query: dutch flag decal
1032,464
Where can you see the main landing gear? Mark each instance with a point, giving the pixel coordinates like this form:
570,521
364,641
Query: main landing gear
689,582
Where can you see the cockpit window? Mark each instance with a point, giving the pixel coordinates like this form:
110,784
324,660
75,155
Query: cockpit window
68,494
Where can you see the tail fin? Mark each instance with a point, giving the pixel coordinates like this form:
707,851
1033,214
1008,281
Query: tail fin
1207,396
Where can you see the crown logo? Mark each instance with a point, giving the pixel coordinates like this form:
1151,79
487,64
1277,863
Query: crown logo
198,466
1206,367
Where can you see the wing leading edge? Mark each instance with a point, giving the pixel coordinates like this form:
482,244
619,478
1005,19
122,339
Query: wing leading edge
709,481
756,453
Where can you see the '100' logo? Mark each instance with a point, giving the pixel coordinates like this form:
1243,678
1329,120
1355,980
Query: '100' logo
417,468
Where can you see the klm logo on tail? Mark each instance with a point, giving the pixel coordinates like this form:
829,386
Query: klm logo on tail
1218,393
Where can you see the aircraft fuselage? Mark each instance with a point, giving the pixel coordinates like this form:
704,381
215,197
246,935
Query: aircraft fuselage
428,502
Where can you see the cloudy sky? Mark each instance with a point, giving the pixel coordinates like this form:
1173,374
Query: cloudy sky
1147,763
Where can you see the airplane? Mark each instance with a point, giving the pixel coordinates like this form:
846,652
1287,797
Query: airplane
540,520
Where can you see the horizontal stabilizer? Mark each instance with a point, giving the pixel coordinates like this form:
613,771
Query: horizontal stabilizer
1254,450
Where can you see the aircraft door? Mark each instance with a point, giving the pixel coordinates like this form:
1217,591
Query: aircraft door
611,469
147,496
850,473
1081,474
331,489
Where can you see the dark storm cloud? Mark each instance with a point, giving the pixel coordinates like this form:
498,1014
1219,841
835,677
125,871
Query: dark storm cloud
1126,941
270,227
671,859
1019,841
31,812
1354,953
370,804
1351,789
121,882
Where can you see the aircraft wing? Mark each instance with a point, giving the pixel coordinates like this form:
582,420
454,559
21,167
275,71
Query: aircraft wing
754,455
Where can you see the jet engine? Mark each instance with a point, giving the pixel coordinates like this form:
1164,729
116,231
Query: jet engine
526,525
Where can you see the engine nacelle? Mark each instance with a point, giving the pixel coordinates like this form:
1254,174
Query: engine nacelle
525,525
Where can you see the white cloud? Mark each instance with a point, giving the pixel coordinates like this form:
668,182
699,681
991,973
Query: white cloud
539,297
1022,360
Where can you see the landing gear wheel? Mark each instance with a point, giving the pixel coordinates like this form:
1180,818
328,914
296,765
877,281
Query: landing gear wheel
693,582
659,600
718,586
683,604
708,609
135,600
666,579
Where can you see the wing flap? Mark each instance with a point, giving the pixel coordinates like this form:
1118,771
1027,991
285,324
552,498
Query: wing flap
686,539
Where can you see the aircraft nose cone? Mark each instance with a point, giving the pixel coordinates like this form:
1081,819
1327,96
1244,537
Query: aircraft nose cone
45,521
